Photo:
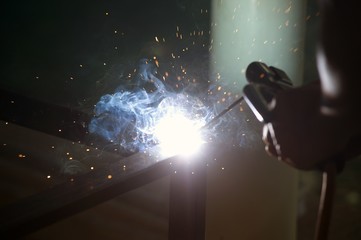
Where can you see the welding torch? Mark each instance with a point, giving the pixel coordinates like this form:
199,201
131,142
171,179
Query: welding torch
264,82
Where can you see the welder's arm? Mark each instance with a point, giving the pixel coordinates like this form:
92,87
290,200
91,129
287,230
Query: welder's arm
338,56
315,122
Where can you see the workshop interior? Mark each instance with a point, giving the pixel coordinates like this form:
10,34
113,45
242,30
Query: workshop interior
143,120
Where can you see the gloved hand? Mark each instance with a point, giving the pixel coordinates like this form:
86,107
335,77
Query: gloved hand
300,134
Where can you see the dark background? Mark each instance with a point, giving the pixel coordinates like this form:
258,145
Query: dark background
43,44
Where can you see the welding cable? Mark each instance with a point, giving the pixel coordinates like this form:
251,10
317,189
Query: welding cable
326,201
330,170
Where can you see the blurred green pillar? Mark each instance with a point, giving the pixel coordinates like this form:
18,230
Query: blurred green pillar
249,30
257,197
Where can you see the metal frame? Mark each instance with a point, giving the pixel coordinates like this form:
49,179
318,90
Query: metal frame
187,190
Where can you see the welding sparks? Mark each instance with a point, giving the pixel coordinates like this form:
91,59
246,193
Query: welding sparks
151,114
138,117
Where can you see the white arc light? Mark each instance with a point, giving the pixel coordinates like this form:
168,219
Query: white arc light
178,135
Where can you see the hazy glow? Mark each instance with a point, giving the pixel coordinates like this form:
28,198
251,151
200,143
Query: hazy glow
178,135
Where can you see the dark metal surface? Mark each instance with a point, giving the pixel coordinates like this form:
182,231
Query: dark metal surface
40,210
187,210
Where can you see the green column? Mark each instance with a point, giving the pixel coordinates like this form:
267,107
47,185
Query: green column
249,30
